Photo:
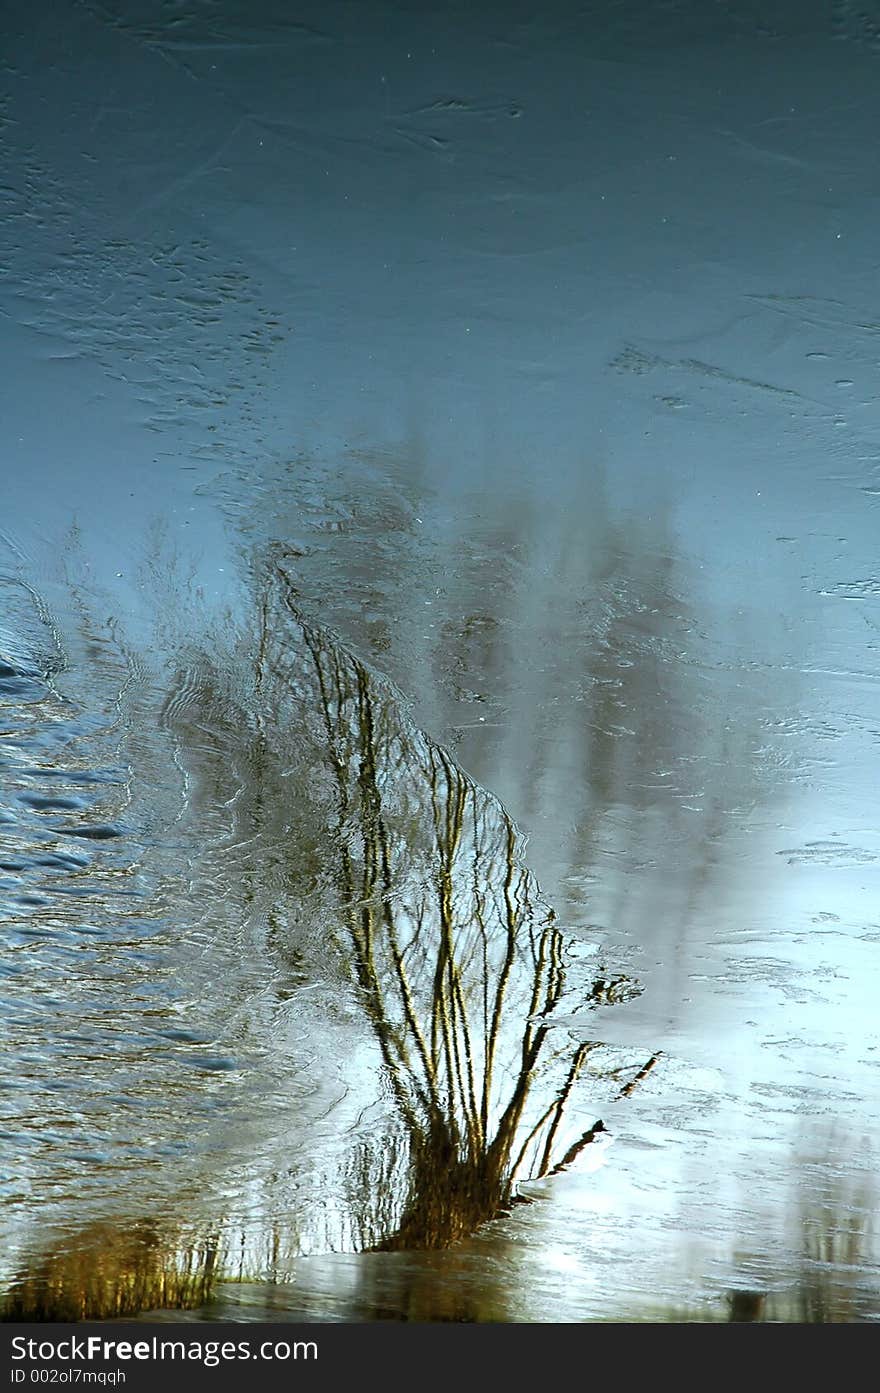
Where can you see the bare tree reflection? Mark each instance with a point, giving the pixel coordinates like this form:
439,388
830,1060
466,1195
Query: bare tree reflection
368,943
572,660
459,965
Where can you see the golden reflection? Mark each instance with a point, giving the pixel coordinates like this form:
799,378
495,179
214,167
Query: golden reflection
113,1270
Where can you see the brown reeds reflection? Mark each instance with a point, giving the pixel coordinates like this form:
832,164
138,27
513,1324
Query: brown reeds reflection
111,1270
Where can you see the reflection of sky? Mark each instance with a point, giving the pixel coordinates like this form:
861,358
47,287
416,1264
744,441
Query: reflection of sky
472,271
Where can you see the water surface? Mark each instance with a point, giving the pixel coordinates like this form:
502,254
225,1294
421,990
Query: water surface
438,614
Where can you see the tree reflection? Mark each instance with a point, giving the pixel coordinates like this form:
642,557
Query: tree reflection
823,1268
374,976
837,1281
573,660
459,965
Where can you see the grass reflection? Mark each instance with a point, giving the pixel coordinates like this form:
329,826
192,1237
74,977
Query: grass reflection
112,1270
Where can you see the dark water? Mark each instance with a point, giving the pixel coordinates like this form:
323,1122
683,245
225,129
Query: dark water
438,659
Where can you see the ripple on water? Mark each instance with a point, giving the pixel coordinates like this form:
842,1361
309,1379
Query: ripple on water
46,802
97,832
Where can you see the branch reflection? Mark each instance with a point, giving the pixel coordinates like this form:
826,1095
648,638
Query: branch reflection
459,964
